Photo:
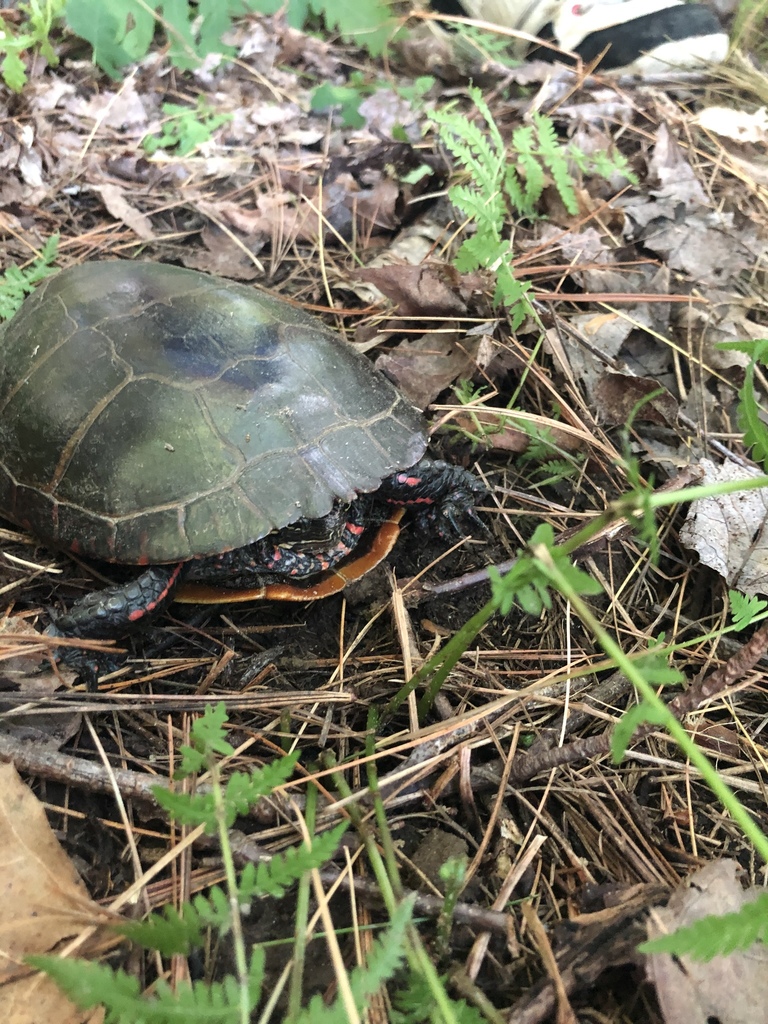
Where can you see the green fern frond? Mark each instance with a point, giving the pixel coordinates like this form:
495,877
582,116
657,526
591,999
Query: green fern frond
488,209
214,909
513,294
16,283
169,932
414,1004
273,877
745,610
483,249
384,959
555,157
529,192
514,188
717,936
89,985
555,470
242,791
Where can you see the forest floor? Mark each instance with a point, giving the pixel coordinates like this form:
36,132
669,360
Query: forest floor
610,380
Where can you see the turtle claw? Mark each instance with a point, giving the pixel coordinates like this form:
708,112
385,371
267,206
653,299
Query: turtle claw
443,497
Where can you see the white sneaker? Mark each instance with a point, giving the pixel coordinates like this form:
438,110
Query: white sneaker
636,36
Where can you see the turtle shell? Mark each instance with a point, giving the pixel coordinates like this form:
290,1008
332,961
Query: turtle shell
154,414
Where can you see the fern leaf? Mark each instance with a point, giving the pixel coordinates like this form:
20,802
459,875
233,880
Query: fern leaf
90,984
214,909
16,283
480,150
744,610
533,175
486,208
513,188
273,877
189,809
386,956
241,793
383,961
717,935
168,932
484,249
513,294
555,158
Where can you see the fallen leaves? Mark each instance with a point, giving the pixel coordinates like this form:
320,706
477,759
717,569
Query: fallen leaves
729,530
44,904
731,989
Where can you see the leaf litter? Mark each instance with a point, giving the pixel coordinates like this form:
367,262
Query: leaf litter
635,291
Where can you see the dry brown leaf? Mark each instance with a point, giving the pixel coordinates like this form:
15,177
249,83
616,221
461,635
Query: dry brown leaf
119,110
44,903
430,289
730,989
424,367
116,203
617,396
505,430
728,530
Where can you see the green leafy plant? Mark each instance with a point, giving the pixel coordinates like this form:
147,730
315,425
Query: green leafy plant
346,97
359,86
503,178
396,954
716,935
185,128
32,34
17,282
121,31
89,984
746,611
481,153
545,469
751,416
544,566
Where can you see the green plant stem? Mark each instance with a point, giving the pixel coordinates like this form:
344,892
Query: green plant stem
436,670
676,730
302,917
230,874
417,956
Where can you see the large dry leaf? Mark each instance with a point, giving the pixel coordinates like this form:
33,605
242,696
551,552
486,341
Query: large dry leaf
621,397
44,903
728,531
730,989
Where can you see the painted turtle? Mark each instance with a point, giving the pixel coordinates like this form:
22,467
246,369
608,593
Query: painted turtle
160,417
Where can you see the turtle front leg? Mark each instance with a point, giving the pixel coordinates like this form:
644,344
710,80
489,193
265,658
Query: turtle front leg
120,608
441,495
